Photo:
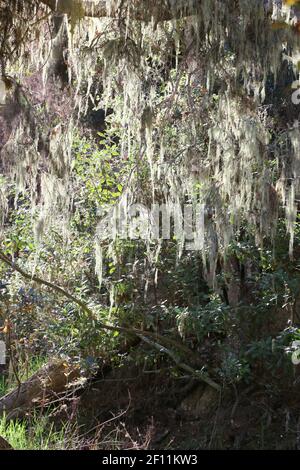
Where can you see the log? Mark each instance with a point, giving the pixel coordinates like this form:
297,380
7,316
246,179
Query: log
4,445
50,380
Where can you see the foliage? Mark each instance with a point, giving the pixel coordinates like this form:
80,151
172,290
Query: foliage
38,434
117,111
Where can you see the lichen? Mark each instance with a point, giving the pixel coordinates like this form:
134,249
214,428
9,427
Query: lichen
190,100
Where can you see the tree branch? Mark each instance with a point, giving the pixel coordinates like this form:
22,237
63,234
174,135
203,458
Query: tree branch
142,10
93,317
181,365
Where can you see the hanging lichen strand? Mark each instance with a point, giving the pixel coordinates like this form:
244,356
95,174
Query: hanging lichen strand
193,100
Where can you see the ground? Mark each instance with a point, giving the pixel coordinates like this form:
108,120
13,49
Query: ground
131,409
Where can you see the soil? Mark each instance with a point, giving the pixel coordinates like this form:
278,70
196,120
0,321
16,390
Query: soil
130,408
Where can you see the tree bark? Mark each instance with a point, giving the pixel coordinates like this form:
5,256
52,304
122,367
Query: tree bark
4,445
50,380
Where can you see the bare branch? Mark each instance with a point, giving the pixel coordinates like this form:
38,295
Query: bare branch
194,373
139,333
